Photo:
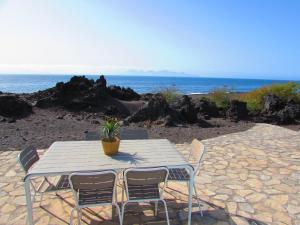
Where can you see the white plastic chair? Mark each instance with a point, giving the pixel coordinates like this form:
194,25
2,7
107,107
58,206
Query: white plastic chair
143,185
94,189
27,158
179,174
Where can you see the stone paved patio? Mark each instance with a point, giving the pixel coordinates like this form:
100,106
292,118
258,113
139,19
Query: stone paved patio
247,178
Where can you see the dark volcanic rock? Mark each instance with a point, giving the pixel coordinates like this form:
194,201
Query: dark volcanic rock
2,119
60,117
14,107
78,94
186,109
81,93
278,111
237,111
46,102
206,108
289,113
169,121
111,110
101,82
100,87
155,109
11,120
146,97
293,108
122,93
161,113
272,104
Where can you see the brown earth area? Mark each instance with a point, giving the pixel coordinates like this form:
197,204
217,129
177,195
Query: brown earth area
46,126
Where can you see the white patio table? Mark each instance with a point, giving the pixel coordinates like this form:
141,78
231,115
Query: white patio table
66,157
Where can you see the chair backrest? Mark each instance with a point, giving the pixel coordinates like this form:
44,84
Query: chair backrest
93,187
131,134
143,183
92,136
28,157
197,152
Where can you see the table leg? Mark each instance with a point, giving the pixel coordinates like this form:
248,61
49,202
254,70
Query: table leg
190,203
28,201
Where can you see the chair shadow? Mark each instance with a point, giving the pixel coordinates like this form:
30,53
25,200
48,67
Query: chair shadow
135,214
53,214
86,212
177,207
212,215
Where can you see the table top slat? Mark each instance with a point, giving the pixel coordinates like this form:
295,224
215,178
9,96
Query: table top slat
70,156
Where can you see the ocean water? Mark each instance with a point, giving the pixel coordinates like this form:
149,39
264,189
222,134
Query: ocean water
141,84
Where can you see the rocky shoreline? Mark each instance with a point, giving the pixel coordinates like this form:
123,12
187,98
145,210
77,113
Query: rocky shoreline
69,109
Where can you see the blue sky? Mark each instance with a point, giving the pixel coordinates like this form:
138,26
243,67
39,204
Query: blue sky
212,38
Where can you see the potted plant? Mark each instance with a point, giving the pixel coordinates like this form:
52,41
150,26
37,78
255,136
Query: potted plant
110,140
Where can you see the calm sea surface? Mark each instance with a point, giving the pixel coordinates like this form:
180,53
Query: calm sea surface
141,84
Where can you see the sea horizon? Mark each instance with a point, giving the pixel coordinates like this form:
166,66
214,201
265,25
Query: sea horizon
28,83
175,74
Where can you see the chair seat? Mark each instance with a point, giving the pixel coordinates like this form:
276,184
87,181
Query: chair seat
179,174
55,184
95,196
143,192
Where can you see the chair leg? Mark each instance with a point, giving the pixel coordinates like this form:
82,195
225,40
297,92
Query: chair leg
72,216
33,197
119,213
41,200
34,192
187,184
116,195
198,201
78,216
156,207
166,209
123,211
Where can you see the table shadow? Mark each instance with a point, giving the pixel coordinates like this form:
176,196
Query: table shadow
128,157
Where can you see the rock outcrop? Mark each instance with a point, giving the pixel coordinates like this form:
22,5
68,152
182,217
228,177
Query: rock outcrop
14,107
237,111
272,104
77,94
156,108
81,93
276,110
122,93
185,109
158,111
206,108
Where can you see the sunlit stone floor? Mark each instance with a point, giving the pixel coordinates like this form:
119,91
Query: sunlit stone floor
251,177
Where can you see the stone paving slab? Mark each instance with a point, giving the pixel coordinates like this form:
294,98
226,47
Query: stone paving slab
250,177
253,174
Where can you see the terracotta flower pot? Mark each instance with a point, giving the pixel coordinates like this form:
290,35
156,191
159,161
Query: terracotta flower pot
111,147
